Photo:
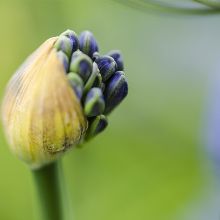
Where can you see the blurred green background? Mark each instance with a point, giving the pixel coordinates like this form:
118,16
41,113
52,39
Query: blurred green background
150,162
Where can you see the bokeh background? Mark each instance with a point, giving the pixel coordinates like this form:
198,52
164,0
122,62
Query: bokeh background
153,161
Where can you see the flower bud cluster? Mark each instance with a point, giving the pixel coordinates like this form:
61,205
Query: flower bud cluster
60,96
98,81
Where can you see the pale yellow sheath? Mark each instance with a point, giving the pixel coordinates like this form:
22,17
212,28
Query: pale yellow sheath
41,114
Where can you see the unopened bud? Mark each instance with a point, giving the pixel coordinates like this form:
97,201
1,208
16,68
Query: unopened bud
64,59
96,126
42,115
64,44
116,90
116,55
73,37
107,66
94,103
76,83
87,43
81,64
94,80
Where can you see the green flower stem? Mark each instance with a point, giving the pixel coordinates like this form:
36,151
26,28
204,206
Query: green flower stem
210,3
50,192
165,6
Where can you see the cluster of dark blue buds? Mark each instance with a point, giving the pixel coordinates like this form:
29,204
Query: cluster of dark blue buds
98,81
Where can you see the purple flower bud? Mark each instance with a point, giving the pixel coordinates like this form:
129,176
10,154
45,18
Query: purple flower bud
107,66
94,80
73,37
87,43
64,44
116,90
81,64
116,55
96,126
94,103
76,83
64,59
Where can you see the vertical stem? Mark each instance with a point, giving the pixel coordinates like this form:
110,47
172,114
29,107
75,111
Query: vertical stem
49,192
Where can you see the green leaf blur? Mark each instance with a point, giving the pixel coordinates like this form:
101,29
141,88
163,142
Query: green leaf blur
150,162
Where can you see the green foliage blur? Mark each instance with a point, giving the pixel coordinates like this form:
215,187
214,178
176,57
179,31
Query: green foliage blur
150,162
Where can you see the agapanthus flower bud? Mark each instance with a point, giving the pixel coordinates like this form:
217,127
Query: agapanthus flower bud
116,90
64,44
98,81
96,126
81,64
116,55
107,66
87,43
64,59
94,80
94,103
55,100
73,37
77,83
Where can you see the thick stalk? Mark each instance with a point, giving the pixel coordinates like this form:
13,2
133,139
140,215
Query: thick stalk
50,192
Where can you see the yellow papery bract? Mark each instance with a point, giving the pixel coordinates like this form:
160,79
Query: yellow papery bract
41,114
